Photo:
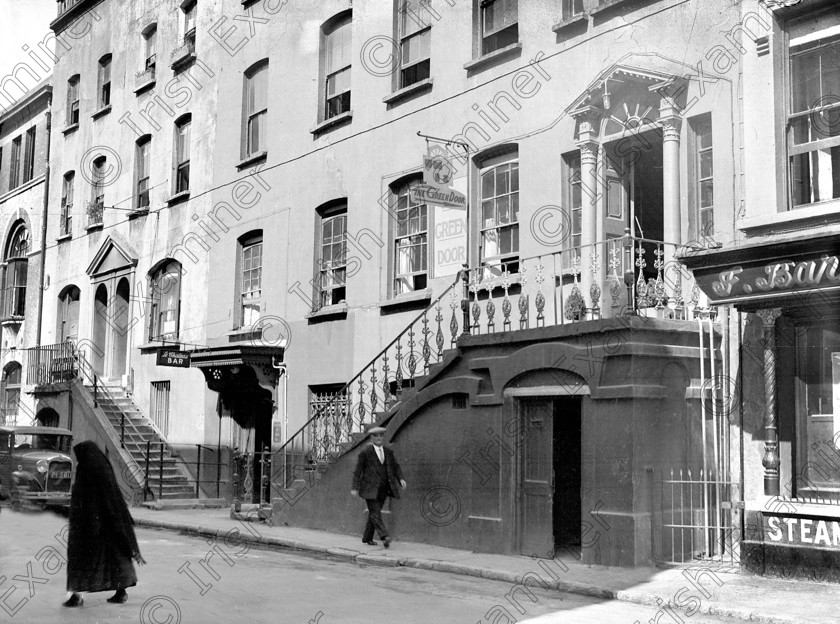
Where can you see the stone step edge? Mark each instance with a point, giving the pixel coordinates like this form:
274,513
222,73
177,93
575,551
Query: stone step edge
569,587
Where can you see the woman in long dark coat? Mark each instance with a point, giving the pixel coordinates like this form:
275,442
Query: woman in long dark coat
101,544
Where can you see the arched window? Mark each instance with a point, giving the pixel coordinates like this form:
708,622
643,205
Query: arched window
11,392
68,314
14,278
165,293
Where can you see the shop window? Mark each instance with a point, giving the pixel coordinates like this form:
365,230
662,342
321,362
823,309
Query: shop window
411,240
332,261
336,55
165,294
499,207
415,36
250,278
818,364
814,110
255,110
499,24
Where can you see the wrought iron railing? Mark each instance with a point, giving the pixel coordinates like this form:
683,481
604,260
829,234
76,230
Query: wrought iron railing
49,364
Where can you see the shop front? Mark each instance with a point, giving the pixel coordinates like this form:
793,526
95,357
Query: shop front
787,291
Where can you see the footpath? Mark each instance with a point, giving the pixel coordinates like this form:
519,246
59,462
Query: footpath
719,592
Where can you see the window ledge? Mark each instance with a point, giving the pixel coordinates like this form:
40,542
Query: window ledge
508,52
338,310
182,62
69,129
144,86
12,320
570,22
252,159
94,226
332,122
151,345
102,112
823,212
606,5
242,334
178,198
141,212
412,89
405,300
63,238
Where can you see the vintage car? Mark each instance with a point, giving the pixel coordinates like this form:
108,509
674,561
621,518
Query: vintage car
35,466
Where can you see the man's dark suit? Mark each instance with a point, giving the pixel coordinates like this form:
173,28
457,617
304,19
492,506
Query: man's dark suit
375,482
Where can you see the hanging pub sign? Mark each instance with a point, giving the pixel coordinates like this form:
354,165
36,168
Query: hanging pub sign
173,357
444,192
745,281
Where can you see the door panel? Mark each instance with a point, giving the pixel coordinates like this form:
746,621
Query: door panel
537,478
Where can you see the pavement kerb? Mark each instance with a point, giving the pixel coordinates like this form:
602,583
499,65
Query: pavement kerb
570,587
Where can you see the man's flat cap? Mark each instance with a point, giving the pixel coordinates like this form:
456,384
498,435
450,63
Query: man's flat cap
374,430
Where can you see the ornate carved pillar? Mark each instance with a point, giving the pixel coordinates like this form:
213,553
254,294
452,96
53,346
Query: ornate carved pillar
592,202
671,123
770,461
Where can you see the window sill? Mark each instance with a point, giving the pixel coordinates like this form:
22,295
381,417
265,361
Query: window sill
141,212
502,54
101,112
418,298
144,86
177,198
606,5
821,213
12,320
245,334
405,92
332,122
63,237
94,226
570,22
70,129
326,313
252,160
179,64
151,345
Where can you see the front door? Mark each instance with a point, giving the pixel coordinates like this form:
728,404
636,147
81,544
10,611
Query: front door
537,477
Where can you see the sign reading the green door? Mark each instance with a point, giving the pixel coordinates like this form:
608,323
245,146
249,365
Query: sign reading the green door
172,357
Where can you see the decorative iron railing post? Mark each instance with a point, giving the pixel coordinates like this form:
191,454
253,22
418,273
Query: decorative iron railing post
146,480
197,470
264,463
237,503
160,473
629,276
465,300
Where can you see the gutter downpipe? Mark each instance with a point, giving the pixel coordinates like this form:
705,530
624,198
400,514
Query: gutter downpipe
44,214
703,434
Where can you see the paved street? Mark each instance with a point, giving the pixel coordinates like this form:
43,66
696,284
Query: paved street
240,583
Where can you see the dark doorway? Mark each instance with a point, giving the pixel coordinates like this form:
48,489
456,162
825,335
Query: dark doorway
566,508
550,513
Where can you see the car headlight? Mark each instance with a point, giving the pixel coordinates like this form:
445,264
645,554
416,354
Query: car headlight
42,466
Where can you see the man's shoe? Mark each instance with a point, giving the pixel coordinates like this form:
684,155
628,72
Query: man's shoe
386,541
75,600
370,542
119,598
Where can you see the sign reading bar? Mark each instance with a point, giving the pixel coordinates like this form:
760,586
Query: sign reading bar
173,357
781,276
812,532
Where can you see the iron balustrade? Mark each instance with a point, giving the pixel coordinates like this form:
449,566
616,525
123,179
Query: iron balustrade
49,364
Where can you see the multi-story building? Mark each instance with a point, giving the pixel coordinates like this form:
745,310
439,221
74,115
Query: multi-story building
781,274
24,139
292,192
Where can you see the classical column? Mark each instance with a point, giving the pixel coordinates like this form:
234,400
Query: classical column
591,200
770,461
671,123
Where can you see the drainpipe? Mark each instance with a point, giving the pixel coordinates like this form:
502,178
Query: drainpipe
44,214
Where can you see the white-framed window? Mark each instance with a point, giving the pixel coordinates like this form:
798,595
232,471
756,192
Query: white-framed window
65,226
499,210
182,154
813,113
255,109
73,100
499,24
142,171
15,275
14,163
704,187
159,405
337,55
104,81
165,307
332,260
411,240
250,278
150,48
415,36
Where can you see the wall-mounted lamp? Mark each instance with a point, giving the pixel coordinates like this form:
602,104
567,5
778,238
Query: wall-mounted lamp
606,96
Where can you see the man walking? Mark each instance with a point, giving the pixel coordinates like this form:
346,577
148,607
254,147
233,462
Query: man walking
375,478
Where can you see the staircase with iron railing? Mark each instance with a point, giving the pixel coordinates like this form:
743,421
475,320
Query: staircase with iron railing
608,281
154,463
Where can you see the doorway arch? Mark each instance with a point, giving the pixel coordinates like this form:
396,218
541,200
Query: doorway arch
100,326
120,324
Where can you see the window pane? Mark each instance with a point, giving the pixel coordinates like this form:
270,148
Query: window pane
338,48
706,164
815,176
487,185
416,48
414,15
707,193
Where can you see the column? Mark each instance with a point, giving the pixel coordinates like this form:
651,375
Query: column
770,461
591,207
671,123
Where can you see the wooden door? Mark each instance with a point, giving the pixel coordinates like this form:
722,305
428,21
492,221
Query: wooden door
537,478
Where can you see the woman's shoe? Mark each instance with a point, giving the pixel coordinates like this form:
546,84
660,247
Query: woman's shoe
75,600
119,598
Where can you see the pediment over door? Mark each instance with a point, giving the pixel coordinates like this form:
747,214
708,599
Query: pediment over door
114,255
